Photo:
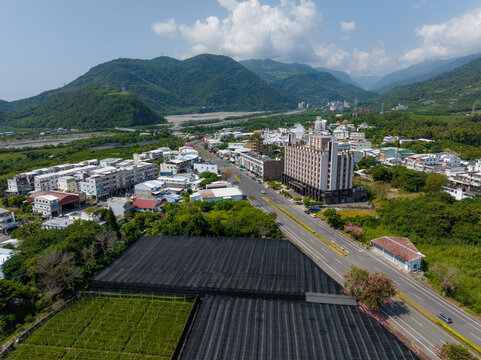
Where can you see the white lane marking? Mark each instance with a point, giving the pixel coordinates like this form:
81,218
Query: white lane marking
417,322
476,336
407,332
419,297
338,260
377,269
434,297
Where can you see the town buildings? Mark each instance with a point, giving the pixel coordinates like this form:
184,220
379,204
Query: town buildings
7,221
216,194
319,170
399,250
262,165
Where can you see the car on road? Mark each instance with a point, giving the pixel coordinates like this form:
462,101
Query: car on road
444,317
307,211
314,215
263,191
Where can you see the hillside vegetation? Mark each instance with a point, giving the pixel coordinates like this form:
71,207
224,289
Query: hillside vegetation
303,83
201,83
457,90
91,107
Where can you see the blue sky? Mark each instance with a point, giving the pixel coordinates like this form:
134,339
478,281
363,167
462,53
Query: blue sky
45,44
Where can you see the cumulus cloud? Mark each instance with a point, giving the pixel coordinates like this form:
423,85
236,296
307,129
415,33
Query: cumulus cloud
288,31
355,62
456,37
348,26
164,28
252,29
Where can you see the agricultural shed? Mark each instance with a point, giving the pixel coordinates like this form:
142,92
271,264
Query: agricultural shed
240,328
229,266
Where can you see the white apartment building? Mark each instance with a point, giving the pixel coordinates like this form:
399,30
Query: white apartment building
360,145
319,170
449,160
201,167
357,136
111,180
67,184
421,162
7,221
47,205
340,134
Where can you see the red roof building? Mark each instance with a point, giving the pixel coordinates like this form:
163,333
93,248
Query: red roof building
63,198
399,250
147,205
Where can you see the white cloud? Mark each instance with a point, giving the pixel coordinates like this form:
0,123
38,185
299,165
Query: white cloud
254,30
289,31
164,28
348,26
420,3
355,62
456,37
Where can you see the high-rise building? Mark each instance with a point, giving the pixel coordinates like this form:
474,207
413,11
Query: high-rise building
319,170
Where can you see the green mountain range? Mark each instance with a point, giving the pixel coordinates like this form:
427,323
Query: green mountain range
201,83
457,89
90,107
303,83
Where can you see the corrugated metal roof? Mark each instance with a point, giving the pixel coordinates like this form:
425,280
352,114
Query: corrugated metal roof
145,204
233,328
245,266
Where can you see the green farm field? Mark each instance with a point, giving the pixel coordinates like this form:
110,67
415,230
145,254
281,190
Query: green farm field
111,328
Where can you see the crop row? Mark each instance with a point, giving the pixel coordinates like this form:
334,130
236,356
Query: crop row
109,328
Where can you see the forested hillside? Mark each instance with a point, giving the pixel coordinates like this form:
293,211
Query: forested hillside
457,89
91,107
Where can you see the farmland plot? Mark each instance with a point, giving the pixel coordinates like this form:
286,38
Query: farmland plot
110,328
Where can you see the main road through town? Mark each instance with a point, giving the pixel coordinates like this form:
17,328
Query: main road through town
422,331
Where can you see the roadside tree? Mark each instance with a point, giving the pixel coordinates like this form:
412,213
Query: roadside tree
371,290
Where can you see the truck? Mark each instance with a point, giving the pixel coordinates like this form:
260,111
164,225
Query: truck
314,208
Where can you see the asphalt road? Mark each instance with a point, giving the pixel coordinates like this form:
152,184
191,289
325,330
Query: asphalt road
422,331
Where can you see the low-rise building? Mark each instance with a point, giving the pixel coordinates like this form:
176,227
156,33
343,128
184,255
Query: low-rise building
461,193
202,167
230,193
421,162
7,221
147,205
52,203
393,152
262,165
399,250
151,189
120,206
47,205
357,136
67,184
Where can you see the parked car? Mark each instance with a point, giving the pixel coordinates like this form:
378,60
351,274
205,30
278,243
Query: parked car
314,215
307,211
444,317
263,191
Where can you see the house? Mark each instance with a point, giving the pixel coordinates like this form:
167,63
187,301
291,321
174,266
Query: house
7,221
120,205
147,205
399,250
214,195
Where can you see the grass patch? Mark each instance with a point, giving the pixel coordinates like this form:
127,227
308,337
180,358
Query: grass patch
357,212
98,327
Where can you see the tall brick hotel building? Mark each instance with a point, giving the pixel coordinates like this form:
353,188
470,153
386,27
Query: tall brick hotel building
320,171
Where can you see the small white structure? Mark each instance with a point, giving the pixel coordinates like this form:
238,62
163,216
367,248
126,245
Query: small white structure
460,193
231,193
399,250
201,167
120,205
47,205
7,221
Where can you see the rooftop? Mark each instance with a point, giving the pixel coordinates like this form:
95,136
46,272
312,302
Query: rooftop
401,247
145,204
242,328
267,267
